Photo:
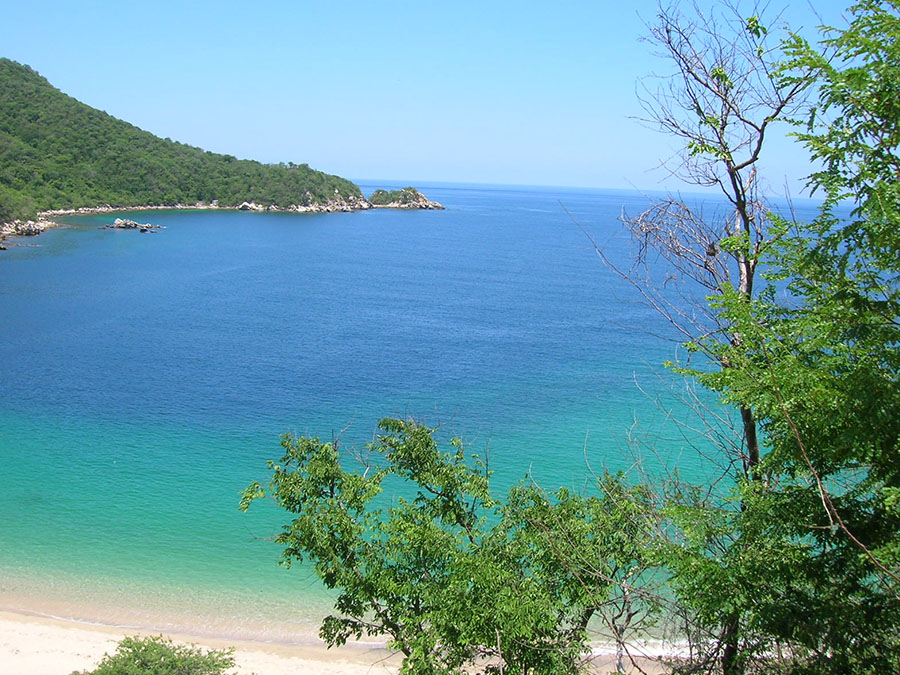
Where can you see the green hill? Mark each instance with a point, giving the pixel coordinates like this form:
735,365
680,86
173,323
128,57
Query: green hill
58,153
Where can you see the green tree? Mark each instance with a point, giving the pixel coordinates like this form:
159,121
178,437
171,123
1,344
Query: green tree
792,567
796,569
450,575
408,195
819,363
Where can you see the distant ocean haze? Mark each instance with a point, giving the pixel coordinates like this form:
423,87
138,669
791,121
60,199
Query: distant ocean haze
147,378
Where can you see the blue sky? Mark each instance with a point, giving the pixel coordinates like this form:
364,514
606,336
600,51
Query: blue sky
539,93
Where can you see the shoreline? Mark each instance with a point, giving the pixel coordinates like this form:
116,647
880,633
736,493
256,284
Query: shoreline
46,645
53,633
46,636
204,614
45,220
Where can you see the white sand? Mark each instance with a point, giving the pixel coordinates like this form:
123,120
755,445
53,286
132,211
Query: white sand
35,645
35,642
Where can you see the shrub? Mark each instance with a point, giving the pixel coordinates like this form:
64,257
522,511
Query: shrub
160,656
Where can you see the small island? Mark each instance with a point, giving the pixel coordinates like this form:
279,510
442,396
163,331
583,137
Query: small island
407,198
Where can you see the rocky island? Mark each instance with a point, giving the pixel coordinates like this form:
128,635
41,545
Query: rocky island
407,198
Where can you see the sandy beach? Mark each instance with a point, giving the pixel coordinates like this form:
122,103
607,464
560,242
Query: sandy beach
42,645
38,645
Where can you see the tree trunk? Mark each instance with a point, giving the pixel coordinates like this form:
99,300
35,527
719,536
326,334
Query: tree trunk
730,662
748,421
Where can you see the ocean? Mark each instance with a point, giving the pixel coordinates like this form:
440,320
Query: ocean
145,379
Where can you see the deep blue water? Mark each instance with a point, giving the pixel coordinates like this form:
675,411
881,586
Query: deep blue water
146,378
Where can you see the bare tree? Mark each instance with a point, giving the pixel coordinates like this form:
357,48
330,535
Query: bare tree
720,100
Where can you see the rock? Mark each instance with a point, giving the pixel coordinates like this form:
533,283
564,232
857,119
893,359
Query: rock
127,224
338,204
28,229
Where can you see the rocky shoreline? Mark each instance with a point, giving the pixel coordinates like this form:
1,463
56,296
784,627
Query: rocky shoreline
24,228
336,205
46,219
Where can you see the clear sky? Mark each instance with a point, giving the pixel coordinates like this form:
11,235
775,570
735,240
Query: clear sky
539,93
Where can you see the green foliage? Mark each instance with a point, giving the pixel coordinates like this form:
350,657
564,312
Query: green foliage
719,75
452,576
755,28
58,153
160,656
814,573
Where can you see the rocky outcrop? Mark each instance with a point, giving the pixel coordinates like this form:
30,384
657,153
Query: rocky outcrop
338,204
25,228
127,224
106,208
407,198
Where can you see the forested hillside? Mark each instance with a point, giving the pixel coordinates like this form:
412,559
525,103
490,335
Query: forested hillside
56,153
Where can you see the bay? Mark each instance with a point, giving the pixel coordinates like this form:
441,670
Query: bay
145,379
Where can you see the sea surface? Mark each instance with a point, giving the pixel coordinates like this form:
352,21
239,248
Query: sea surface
145,379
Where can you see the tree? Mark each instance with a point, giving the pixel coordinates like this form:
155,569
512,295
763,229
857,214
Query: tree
725,93
810,528
821,367
721,101
450,575
798,567
58,153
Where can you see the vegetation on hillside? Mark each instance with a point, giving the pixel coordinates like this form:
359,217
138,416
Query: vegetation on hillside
790,561
58,153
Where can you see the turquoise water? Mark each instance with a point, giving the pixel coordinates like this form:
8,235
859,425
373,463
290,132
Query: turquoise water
146,378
